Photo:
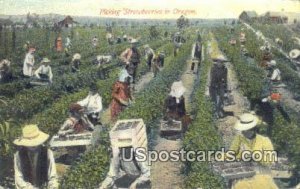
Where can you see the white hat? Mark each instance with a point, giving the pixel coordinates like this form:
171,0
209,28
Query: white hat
177,89
134,41
123,75
76,56
295,53
272,63
31,136
247,121
5,61
99,57
45,60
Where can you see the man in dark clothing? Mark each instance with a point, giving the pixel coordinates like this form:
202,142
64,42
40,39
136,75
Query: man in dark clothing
131,57
218,86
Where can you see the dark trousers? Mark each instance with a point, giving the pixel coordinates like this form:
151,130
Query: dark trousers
149,60
217,94
132,70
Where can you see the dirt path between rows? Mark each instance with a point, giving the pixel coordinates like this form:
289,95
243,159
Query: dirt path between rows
168,175
287,96
241,104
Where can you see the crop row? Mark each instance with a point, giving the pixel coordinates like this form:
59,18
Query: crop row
202,135
147,106
284,133
31,101
288,70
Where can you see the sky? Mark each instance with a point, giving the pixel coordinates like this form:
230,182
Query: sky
155,8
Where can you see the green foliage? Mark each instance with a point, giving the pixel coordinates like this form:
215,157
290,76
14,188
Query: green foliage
147,106
285,135
154,33
202,135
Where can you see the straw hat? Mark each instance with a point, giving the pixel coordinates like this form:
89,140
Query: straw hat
76,56
45,60
99,57
272,63
31,136
5,61
247,121
177,89
295,53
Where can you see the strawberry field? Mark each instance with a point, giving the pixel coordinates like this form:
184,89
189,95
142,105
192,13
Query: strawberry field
47,106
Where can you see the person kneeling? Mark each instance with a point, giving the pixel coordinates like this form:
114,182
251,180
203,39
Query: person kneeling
175,106
76,123
44,72
93,104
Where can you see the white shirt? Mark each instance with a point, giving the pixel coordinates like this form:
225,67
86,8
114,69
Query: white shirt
93,103
28,64
68,42
95,41
276,75
148,52
116,172
19,179
44,70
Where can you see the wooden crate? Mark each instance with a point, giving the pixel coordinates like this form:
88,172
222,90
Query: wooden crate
129,132
174,126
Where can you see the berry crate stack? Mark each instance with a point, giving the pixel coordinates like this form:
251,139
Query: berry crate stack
129,133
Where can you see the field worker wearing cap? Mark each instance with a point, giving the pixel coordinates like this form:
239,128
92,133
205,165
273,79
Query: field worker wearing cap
249,140
29,63
124,37
33,163
92,104
196,50
26,46
121,94
77,122
276,74
5,70
75,62
95,41
135,174
149,55
131,57
109,38
44,72
174,108
177,41
218,86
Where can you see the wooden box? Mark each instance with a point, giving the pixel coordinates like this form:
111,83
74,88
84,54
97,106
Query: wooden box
129,133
